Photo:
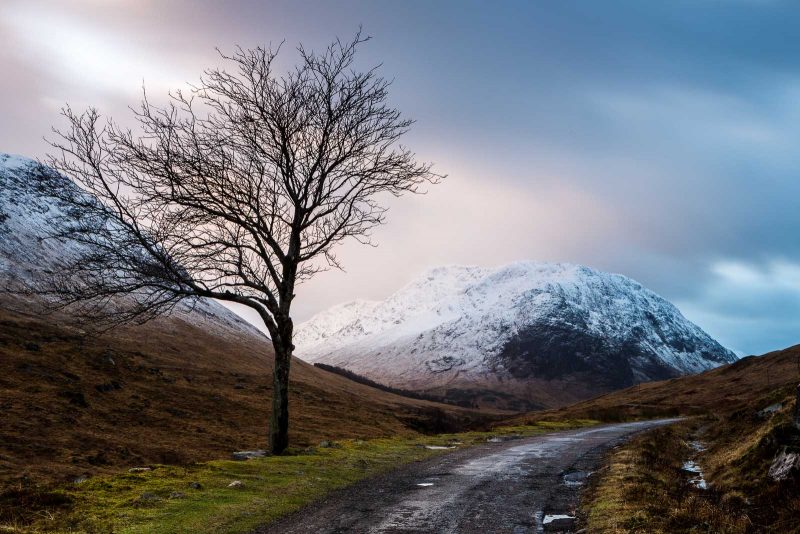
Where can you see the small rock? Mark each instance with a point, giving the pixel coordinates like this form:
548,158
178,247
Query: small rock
769,410
139,469
177,495
195,485
238,484
246,455
80,479
783,465
325,444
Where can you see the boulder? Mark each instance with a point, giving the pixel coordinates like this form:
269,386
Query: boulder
236,484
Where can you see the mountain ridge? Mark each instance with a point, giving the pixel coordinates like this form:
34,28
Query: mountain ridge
457,326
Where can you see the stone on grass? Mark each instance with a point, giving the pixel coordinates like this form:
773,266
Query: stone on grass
246,455
195,485
238,484
769,410
177,495
139,469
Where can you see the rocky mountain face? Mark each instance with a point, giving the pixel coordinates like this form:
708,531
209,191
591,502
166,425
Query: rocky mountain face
522,335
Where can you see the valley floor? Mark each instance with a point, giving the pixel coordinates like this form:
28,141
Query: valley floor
204,498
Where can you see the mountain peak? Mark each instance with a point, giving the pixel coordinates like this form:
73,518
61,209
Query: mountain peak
14,162
525,320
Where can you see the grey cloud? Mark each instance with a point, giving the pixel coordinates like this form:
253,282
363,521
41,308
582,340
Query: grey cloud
653,139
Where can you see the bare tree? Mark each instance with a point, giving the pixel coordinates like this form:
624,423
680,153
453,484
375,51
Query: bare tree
237,190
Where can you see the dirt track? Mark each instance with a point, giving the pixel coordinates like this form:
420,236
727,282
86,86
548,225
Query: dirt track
516,486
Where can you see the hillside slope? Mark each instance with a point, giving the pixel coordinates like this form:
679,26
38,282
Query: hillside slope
742,429
743,385
194,385
544,334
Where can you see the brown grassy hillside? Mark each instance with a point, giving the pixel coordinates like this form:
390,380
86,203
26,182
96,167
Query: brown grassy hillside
723,390
171,391
743,421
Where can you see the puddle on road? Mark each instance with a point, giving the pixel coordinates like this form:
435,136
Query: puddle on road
575,478
553,522
424,484
549,518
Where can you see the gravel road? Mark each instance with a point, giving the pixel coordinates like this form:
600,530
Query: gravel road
523,485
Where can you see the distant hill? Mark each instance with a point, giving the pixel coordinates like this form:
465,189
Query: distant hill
749,384
525,335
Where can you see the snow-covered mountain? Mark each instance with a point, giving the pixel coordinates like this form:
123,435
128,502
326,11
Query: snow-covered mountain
29,213
512,330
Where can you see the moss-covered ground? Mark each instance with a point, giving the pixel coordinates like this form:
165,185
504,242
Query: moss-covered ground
197,498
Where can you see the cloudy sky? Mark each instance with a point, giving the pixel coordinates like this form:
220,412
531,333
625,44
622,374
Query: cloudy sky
654,139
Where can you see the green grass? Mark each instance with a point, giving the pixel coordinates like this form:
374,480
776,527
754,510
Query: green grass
273,487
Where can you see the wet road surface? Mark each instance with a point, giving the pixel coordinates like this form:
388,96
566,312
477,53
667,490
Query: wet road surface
518,486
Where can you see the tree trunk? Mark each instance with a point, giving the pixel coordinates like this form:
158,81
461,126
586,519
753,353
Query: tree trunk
279,422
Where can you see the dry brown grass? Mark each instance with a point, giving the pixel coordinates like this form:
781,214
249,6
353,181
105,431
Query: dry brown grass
722,390
167,392
640,490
